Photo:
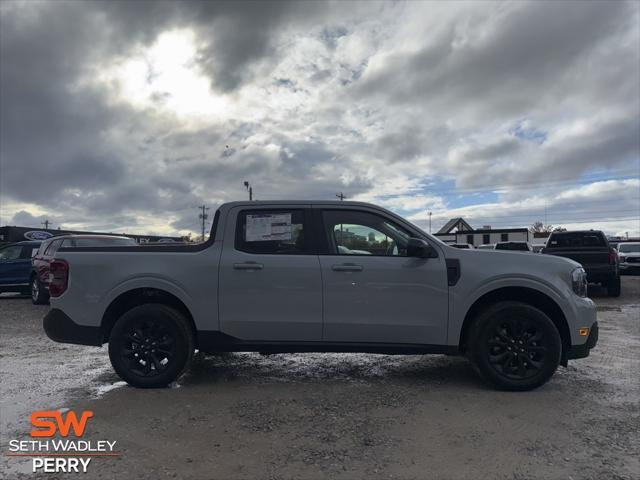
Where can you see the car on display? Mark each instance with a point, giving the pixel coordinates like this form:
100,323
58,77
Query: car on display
486,246
38,278
629,256
272,278
591,249
464,246
15,266
513,246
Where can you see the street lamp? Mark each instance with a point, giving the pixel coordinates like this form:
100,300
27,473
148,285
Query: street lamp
249,189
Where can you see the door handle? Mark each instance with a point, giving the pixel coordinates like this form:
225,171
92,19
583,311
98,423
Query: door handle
347,267
248,266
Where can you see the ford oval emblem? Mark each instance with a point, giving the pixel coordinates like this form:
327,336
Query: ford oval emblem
37,235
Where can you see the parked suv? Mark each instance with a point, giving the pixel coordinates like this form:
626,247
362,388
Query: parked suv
591,249
15,266
272,277
39,278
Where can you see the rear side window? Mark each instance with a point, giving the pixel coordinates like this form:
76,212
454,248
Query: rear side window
577,239
275,232
28,251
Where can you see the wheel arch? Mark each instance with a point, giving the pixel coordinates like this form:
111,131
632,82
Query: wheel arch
526,295
139,296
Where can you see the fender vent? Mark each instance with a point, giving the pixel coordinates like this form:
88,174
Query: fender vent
453,271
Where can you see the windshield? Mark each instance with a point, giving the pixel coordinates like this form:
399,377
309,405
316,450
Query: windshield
628,247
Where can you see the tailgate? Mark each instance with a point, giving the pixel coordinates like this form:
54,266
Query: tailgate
585,256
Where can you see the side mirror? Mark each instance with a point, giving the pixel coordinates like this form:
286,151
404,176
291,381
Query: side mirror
416,247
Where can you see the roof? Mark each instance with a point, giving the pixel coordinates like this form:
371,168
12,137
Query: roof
247,203
447,227
493,230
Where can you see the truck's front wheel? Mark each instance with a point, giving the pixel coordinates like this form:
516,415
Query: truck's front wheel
151,345
514,346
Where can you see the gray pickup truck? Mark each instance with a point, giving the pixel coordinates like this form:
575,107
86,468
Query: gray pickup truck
318,276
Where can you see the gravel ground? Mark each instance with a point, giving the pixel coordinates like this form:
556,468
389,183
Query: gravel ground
342,416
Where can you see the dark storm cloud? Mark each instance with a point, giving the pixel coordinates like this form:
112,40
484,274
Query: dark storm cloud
235,33
50,135
53,132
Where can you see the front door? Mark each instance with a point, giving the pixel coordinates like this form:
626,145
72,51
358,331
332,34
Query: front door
270,282
373,292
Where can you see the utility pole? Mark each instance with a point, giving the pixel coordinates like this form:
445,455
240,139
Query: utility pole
46,224
249,189
203,216
341,196
429,221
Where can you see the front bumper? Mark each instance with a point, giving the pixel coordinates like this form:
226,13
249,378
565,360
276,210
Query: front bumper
582,351
60,328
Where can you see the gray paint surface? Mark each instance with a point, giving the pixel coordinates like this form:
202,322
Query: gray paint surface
301,298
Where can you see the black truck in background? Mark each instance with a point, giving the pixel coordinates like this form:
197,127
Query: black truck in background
591,249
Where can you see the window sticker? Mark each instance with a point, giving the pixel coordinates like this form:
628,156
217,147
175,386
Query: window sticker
268,227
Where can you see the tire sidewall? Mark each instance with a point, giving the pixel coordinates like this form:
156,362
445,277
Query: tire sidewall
483,330
175,323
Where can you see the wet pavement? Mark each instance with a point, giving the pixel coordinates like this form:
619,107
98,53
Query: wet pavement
335,415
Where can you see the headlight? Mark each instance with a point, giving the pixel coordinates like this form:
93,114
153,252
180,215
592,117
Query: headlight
622,258
579,281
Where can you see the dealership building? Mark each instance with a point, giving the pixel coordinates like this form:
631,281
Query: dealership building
457,230
12,234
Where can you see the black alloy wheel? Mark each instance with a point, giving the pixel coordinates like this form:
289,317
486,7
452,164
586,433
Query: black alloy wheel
518,348
151,345
514,346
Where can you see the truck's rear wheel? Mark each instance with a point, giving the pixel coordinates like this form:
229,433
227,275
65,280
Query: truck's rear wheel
514,346
151,345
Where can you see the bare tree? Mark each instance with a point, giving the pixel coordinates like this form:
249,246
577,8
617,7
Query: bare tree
539,227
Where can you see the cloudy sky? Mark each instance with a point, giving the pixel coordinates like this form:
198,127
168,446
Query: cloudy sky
125,116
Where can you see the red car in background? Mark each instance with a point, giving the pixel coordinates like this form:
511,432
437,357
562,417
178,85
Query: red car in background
39,280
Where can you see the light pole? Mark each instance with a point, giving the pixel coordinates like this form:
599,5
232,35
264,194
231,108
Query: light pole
429,221
249,189
341,196
203,216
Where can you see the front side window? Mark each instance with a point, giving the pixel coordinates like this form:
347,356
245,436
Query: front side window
361,233
279,232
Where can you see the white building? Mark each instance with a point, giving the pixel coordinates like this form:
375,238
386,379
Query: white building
457,230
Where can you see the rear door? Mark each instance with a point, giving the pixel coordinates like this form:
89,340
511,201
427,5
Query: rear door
12,266
270,283
373,292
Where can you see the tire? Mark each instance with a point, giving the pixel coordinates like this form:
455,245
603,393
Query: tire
151,345
39,295
613,287
514,346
